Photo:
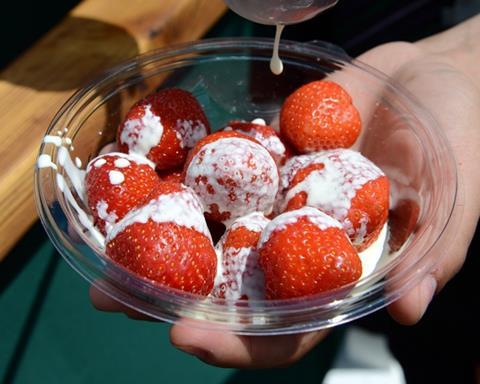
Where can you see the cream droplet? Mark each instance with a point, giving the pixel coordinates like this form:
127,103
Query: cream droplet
121,163
116,177
45,161
99,163
55,140
259,121
276,65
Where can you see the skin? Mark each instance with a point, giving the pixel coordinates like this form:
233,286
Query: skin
443,72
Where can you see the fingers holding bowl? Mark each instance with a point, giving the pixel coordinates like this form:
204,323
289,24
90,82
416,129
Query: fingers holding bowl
105,303
225,349
425,193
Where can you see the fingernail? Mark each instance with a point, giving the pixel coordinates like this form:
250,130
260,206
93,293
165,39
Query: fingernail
197,352
429,287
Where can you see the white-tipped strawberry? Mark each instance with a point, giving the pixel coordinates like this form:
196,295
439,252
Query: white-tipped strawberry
115,184
166,240
163,127
305,252
265,135
239,276
233,175
343,184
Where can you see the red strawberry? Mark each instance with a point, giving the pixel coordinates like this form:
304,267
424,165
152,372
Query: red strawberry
115,184
265,135
167,241
305,252
343,184
239,275
319,115
163,127
233,175
174,174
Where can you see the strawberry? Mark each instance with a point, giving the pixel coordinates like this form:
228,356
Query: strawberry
115,184
305,252
319,115
163,127
166,241
233,175
173,174
239,275
343,184
265,135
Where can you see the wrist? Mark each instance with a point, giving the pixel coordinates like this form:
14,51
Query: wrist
458,46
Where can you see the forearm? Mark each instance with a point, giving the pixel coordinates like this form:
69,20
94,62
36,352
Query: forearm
460,46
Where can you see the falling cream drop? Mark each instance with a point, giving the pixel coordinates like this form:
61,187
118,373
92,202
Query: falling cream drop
276,65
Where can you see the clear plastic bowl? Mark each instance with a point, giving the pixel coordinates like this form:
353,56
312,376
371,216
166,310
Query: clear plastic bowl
232,80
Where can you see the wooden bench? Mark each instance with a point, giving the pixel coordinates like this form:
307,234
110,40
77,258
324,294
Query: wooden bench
93,36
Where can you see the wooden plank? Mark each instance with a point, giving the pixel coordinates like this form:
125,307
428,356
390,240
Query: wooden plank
94,36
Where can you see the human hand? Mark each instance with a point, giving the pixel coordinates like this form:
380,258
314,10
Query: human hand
454,102
440,80
442,85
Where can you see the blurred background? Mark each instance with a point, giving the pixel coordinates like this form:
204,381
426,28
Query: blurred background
50,333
